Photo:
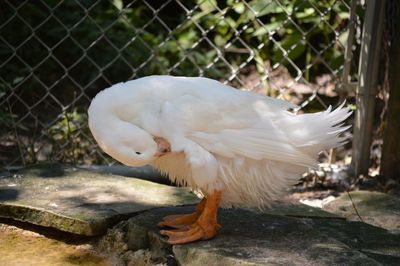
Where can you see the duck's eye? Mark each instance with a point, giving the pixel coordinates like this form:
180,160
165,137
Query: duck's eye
138,153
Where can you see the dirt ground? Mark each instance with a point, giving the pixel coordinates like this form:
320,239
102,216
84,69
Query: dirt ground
23,244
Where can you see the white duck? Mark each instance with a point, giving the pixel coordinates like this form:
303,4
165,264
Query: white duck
237,148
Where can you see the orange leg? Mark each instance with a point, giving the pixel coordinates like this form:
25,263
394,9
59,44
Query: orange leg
179,221
205,227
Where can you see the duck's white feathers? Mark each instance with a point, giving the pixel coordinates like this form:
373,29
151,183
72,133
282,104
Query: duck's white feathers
258,145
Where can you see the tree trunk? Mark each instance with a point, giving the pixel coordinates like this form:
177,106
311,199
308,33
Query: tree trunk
390,164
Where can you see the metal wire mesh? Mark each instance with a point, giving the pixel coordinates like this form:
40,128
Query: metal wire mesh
56,55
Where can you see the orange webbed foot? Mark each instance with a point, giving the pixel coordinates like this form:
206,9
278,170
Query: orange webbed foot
182,220
196,226
190,234
178,221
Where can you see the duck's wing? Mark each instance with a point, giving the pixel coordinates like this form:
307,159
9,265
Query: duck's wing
262,140
238,125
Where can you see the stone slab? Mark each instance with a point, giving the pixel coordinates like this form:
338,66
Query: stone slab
79,201
250,238
298,210
145,172
375,208
87,202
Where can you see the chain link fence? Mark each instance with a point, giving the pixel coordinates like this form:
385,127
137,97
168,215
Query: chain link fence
56,55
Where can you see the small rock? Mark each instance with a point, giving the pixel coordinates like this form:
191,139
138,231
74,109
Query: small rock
317,203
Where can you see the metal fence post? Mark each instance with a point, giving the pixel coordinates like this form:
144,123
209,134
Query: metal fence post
367,84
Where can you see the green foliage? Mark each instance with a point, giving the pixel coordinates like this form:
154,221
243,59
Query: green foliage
114,42
107,45
297,30
68,141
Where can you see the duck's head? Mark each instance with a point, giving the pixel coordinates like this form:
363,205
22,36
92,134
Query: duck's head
130,144
121,139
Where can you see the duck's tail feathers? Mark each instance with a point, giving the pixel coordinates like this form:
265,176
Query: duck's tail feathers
314,132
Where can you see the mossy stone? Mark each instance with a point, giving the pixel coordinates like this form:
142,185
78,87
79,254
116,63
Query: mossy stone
80,201
376,208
